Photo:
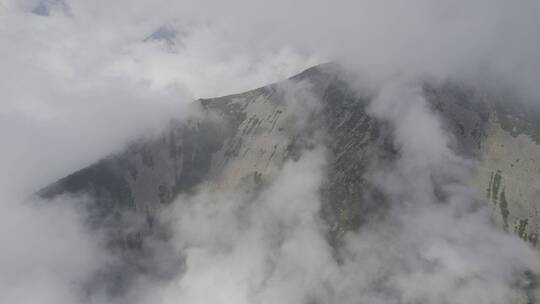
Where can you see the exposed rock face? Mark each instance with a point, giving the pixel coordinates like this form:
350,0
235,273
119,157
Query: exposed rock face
508,174
243,139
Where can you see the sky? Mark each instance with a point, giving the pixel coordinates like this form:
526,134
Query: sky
82,78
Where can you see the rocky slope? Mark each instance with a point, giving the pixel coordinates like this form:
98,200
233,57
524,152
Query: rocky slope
241,140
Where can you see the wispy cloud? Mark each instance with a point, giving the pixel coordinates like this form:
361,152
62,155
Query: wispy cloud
80,79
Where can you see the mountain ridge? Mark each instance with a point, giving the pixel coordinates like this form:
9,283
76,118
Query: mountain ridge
255,133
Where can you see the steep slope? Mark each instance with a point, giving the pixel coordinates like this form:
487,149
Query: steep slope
241,140
508,173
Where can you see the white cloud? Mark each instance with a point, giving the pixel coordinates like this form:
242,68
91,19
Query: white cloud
80,81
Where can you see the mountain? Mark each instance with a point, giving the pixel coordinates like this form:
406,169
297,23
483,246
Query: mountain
241,140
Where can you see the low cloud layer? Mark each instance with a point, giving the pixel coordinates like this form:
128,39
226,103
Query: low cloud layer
437,243
82,78
48,254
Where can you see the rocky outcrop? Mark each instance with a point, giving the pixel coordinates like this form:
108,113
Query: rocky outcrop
241,140
508,174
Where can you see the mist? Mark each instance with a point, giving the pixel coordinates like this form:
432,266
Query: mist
81,79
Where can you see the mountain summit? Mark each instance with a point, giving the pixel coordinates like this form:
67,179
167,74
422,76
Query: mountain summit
242,139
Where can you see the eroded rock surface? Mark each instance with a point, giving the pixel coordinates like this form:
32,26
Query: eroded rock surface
243,139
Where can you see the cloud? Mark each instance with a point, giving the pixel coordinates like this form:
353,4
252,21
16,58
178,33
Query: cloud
267,250
80,79
441,38
48,254
436,244
85,83
88,61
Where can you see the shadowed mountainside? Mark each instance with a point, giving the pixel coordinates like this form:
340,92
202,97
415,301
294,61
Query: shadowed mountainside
241,141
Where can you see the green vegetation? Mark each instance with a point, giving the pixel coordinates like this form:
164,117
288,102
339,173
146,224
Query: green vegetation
520,229
504,209
496,186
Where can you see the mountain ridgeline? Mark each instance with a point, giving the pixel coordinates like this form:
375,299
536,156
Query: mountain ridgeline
241,141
